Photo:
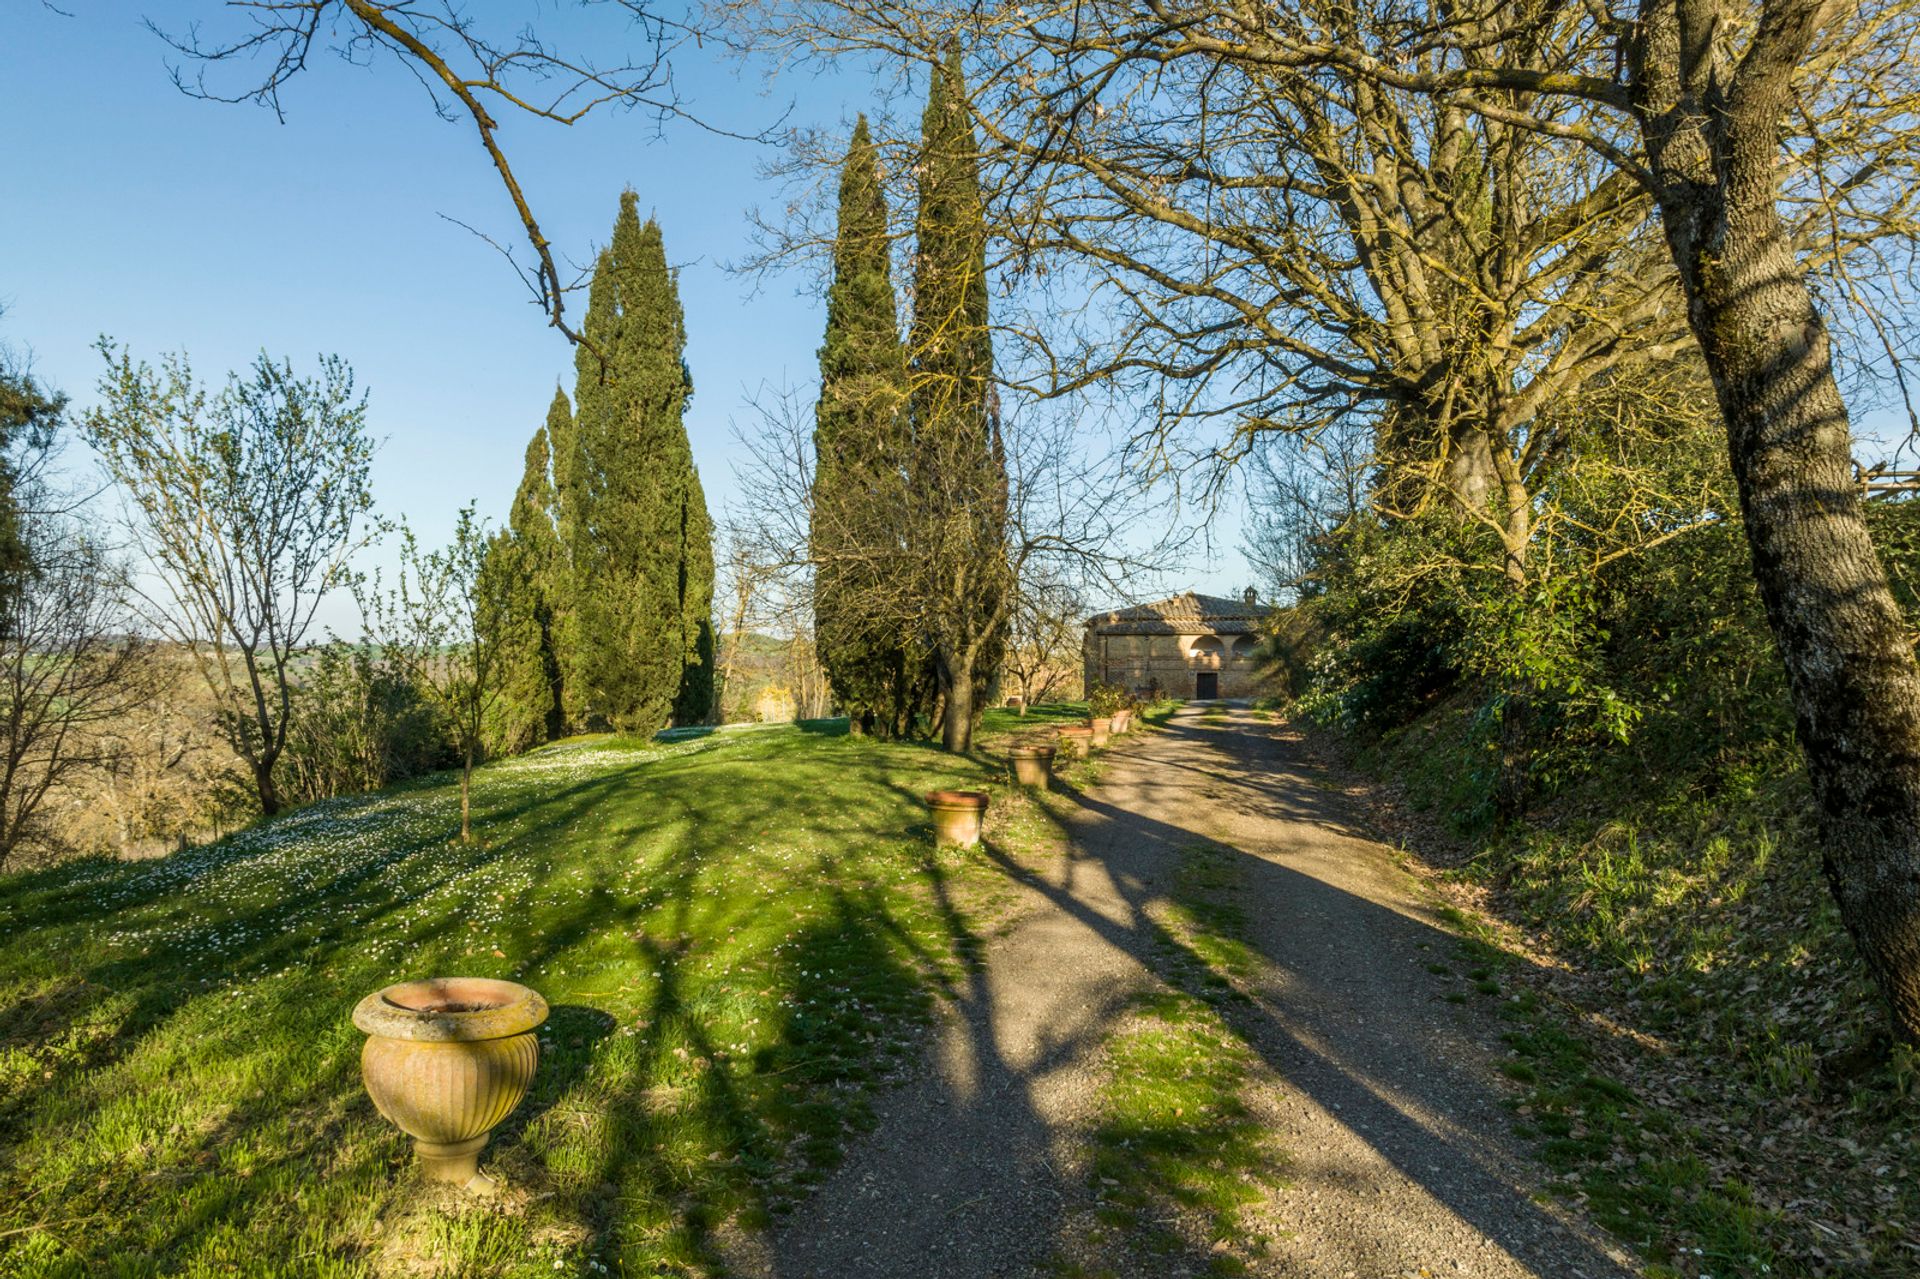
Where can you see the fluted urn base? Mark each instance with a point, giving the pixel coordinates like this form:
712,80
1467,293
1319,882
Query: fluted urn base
456,1161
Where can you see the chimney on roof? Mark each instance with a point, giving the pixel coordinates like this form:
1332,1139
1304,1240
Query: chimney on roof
1250,596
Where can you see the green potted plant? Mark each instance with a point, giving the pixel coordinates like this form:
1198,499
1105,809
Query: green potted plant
1102,701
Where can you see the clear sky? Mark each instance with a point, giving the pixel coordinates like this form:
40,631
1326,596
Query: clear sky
172,223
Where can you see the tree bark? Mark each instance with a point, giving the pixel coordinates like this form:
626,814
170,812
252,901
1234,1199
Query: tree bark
266,787
956,723
1711,138
466,796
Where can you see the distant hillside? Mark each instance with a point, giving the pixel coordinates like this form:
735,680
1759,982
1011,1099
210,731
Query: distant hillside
769,678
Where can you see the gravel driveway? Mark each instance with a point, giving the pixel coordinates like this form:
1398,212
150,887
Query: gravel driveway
1385,1096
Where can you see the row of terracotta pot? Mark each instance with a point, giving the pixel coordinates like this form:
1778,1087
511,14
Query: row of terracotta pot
448,1059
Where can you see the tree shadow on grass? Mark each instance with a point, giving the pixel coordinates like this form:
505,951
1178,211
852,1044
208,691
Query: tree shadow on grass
959,1180
658,1119
962,1176
1398,1087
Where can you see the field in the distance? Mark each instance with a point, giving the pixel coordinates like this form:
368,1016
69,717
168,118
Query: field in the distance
738,934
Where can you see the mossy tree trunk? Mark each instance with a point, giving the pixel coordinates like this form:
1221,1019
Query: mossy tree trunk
1711,129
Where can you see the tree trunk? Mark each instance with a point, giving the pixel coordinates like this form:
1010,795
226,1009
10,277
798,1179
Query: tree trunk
556,721
466,797
264,785
956,722
1469,473
1851,671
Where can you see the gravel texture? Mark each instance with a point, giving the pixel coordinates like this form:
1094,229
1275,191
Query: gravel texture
1384,1096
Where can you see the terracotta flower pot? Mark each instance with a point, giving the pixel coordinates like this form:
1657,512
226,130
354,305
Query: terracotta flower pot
1122,721
1032,763
447,1059
1074,740
1102,727
957,816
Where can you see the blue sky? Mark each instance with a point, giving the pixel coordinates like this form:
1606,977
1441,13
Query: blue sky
172,223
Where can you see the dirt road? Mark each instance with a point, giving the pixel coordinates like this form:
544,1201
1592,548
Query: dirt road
1383,1096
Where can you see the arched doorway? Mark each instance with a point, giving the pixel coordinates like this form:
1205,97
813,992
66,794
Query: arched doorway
1207,652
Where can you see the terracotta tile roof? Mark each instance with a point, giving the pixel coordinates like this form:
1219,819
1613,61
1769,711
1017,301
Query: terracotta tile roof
1187,613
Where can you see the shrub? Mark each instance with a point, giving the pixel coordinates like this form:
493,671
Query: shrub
358,726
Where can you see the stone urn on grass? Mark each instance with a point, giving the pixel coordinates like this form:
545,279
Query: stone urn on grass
1032,763
957,815
1074,740
1102,726
447,1059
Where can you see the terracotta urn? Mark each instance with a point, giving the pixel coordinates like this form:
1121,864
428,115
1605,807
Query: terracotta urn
957,816
1032,763
1102,727
446,1060
1074,740
1122,721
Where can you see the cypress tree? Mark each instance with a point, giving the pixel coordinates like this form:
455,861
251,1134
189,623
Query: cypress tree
516,719
527,554
694,703
539,520
958,473
860,454
639,540
531,524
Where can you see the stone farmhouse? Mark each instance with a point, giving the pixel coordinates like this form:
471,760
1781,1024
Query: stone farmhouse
1198,646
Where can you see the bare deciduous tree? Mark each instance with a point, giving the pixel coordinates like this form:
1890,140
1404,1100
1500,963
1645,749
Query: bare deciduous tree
445,627
70,671
1233,250
1073,514
470,69
1043,642
248,505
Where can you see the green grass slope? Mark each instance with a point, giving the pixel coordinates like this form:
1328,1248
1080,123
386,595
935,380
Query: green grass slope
738,934
1702,1057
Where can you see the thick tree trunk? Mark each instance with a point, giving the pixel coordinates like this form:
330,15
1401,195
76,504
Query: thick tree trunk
1850,669
956,724
1855,686
1469,473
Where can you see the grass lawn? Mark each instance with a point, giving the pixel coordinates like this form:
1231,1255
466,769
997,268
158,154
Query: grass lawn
738,933
1713,1092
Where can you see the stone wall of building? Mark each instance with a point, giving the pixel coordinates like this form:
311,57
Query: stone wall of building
1171,663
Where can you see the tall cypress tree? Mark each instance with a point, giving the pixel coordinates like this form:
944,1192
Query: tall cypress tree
694,702
860,457
531,522
527,555
566,469
640,542
958,474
